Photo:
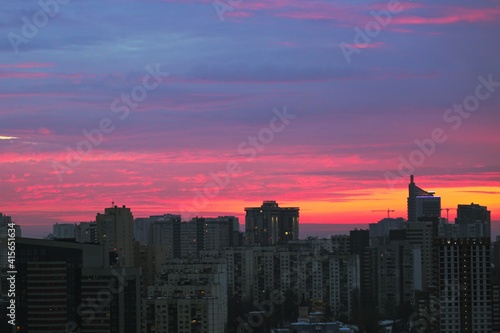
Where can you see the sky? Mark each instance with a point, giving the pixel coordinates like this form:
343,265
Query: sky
202,108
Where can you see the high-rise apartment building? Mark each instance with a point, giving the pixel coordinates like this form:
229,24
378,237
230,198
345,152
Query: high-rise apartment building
63,230
191,297
344,284
369,277
271,224
221,232
382,228
166,232
180,239
473,221
464,285
422,235
496,253
395,267
86,232
475,218
340,244
115,233
359,239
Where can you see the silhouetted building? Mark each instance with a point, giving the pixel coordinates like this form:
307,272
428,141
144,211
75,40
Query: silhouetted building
341,244
477,219
115,233
464,284
379,232
181,239
396,274
421,202
271,224
49,281
117,295
370,277
359,240
86,232
428,208
495,301
496,253
344,284
422,235
166,232
63,230
221,232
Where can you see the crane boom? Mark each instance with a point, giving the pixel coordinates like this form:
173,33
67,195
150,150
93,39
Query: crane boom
388,210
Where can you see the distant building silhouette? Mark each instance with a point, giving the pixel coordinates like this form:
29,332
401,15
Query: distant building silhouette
473,221
181,239
86,232
115,233
384,226
359,239
421,203
476,217
271,224
63,230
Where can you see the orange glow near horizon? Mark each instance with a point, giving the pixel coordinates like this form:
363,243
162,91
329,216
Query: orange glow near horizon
355,209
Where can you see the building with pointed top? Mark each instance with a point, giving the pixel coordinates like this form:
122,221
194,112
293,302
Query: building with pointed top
422,204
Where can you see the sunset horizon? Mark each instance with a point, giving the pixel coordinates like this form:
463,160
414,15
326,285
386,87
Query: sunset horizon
311,213
201,108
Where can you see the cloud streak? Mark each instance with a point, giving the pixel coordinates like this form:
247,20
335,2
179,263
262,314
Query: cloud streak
225,76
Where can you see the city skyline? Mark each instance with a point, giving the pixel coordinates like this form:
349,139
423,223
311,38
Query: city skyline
420,275
187,107
317,230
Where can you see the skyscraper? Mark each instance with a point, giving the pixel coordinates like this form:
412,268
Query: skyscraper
422,235
422,203
271,224
428,208
115,233
476,218
464,286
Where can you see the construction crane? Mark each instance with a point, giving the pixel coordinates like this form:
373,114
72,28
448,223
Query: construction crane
448,212
389,211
